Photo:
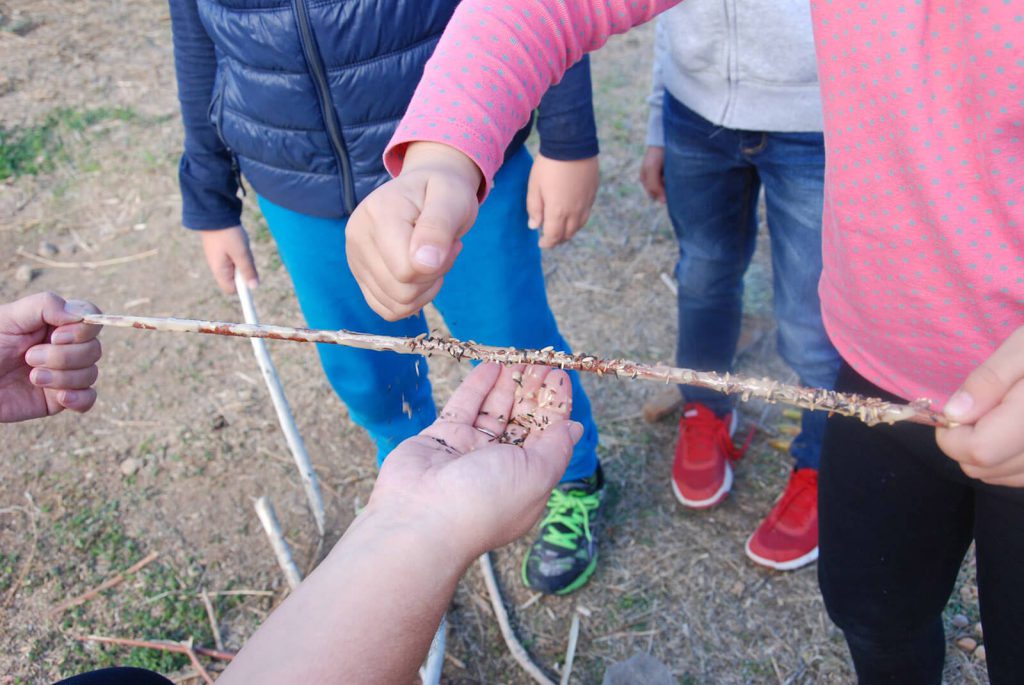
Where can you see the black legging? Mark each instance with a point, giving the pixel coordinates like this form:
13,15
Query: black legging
117,676
896,518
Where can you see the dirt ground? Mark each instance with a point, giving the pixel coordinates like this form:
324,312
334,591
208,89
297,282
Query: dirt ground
189,420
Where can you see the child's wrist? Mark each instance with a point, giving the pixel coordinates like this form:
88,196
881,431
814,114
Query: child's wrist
438,157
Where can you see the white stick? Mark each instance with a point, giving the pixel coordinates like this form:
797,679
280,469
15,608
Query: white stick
284,412
514,647
430,672
570,651
265,510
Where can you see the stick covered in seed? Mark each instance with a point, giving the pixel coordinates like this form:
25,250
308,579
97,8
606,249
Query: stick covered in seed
870,410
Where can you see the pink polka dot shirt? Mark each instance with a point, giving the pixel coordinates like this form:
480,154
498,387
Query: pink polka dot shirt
924,115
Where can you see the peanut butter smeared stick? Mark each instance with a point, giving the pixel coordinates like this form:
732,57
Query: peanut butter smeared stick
870,410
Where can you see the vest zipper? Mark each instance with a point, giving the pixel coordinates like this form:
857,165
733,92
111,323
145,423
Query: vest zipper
316,69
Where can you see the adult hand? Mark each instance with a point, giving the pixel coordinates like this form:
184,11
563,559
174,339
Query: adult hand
990,442
47,357
226,250
652,173
404,237
484,493
559,197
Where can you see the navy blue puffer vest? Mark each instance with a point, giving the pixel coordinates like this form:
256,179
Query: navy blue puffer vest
308,92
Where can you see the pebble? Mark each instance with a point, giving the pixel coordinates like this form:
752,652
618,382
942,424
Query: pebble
979,631
48,249
979,653
26,273
130,466
968,644
960,621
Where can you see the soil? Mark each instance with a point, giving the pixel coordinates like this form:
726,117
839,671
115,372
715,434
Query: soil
193,415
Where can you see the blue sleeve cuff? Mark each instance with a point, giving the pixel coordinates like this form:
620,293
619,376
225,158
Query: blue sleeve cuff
565,118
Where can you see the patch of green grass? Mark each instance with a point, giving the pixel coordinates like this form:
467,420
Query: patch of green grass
158,603
39,148
8,570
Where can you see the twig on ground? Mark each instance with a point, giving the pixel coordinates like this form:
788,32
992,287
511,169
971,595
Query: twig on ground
870,410
284,413
88,264
570,650
113,581
498,605
162,645
212,616
265,510
190,653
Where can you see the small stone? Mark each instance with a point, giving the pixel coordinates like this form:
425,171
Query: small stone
26,273
130,466
48,249
218,422
737,589
979,653
961,621
979,632
969,593
968,644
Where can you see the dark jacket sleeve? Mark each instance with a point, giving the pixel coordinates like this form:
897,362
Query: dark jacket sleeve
209,186
565,117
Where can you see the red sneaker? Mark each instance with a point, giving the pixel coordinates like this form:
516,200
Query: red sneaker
788,537
701,474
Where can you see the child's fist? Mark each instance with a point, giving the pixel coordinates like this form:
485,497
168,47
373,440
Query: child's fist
405,236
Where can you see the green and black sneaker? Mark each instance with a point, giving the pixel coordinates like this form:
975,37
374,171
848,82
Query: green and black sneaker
565,555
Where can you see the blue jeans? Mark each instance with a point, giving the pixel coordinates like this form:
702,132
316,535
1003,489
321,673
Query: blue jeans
494,294
713,176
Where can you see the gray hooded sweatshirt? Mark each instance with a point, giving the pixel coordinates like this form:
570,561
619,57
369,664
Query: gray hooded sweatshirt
740,64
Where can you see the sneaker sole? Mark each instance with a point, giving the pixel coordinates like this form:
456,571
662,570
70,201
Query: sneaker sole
791,565
716,498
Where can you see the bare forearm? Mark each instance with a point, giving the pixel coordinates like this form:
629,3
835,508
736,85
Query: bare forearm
366,615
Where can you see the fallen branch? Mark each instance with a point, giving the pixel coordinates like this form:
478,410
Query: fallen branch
498,605
185,648
88,264
265,510
211,615
113,581
284,412
570,650
870,410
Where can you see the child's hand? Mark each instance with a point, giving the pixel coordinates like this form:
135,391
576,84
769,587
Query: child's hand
559,197
404,237
652,173
47,357
227,249
990,446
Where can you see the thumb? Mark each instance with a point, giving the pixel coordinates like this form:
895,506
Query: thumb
986,386
40,310
246,266
447,213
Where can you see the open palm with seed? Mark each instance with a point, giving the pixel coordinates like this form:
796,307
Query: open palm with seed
498,448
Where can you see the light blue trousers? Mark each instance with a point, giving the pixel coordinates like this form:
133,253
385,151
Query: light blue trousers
494,295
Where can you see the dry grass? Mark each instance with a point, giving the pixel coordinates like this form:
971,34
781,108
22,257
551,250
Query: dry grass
671,582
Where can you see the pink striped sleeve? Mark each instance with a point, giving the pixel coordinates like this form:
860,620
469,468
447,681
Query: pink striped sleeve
493,64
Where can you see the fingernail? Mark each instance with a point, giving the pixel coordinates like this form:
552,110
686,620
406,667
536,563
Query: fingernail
575,431
959,404
252,284
533,225
428,256
41,376
35,357
62,337
77,307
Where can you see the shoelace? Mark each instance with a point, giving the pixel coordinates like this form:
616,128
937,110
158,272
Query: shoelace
800,482
568,517
711,429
